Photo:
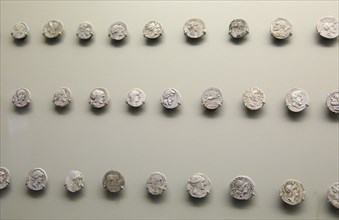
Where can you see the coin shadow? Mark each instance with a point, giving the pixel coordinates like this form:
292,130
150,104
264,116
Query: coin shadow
171,112
332,210
290,209
195,41
153,42
5,191
62,110
21,42
295,116
36,194
240,204
113,196
135,110
198,201
238,41
98,111
252,113
86,43
331,116
279,42
53,41
119,43
324,41
211,113
23,110
74,195
155,198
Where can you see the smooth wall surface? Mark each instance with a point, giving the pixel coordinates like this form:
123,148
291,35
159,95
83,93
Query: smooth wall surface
270,145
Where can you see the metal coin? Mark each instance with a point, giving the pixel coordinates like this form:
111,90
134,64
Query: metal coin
36,179
117,31
199,185
135,97
194,28
328,27
74,181
21,98
333,194
153,30
156,184
238,28
99,97
5,177
85,31
242,188
113,181
253,98
53,29
296,100
332,102
171,98
62,97
212,98
20,31
292,192
281,28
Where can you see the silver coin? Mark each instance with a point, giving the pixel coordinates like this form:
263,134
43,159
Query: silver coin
74,181
296,100
20,30
212,98
117,31
332,102
199,185
135,97
328,27
36,179
156,184
281,28
5,177
238,28
292,192
62,97
171,98
153,30
113,181
194,28
242,188
99,97
85,31
253,98
21,98
333,194
53,29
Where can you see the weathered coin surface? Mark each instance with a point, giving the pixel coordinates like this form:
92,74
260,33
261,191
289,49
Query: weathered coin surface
297,100
135,97
99,97
62,97
333,194
281,28
113,181
328,27
153,30
53,29
85,31
292,192
21,98
332,102
156,184
117,31
212,98
199,185
194,28
238,28
20,31
171,98
74,181
36,179
242,188
5,177
253,98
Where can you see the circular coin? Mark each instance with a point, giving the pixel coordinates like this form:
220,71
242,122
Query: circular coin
333,194
21,98
36,179
242,188
62,97
99,97
297,100
238,28
53,29
153,30
5,177
117,31
194,28
85,31
199,185
281,28
328,27
171,98
212,98
74,181
156,184
135,97
253,98
332,102
113,181
20,31
292,192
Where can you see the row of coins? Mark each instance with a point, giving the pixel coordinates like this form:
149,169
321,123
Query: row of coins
253,98
198,185
281,28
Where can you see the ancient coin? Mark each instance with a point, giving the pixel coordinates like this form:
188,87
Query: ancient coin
171,98
292,192
238,28
328,27
20,31
36,179
297,100
117,31
85,31
74,181
5,177
153,30
53,29
194,28
199,185
156,184
135,97
212,98
99,97
62,97
333,194
253,98
21,98
332,102
281,28
242,188
113,181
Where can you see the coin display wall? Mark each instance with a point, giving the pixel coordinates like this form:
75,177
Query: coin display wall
270,145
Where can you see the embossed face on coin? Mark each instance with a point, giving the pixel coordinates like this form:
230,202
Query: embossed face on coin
85,31
171,98
113,181
74,181
117,31
20,31
98,98
254,98
281,28
5,177
135,97
333,194
153,30
36,179
194,28
62,97
53,29
199,185
238,28
21,98
332,102
242,188
328,27
297,100
292,192
156,184
212,98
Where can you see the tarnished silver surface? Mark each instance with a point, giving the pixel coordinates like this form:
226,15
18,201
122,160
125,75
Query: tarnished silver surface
281,28
113,181
36,179
333,194
53,29
297,100
5,177
62,97
332,102
171,98
328,27
242,188
21,98
156,184
99,97
238,28
253,98
194,28
135,97
117,31
153,30
20,30
85,31
212,98
74,181
199,185
292,192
